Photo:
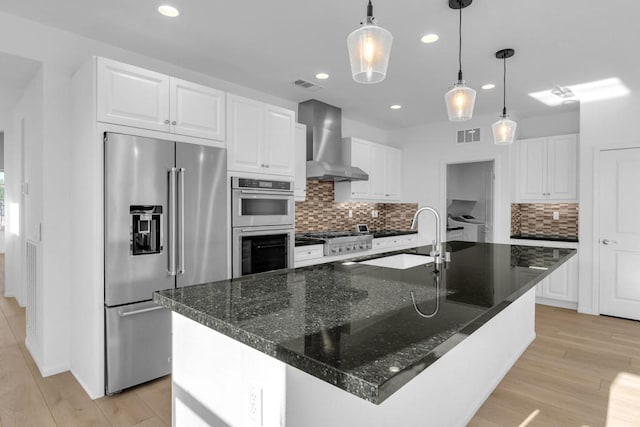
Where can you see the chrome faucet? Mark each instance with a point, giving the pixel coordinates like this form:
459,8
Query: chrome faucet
436,250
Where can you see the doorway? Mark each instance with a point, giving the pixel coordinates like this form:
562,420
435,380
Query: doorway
619,233
470,201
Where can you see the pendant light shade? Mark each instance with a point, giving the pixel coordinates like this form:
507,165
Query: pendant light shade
369,50
504,130
460,99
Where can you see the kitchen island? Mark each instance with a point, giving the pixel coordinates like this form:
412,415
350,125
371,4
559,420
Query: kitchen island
344,344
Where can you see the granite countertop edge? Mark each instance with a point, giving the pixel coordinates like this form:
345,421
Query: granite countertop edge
545,237
347,382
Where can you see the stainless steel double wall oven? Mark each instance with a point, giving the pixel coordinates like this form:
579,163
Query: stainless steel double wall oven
262,219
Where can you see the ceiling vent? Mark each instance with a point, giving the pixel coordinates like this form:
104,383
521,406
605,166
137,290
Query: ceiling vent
308,85
467,136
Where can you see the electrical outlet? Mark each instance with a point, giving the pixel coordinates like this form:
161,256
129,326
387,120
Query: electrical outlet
255,404
350,215
556,215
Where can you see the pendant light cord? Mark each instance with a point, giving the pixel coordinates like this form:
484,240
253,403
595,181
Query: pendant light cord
504,86
460,43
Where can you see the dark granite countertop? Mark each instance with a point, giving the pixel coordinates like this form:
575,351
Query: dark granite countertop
549,237
354,325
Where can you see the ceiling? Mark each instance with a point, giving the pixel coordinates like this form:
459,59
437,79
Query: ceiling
266,45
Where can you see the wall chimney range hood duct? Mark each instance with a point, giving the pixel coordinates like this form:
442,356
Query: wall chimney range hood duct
324,143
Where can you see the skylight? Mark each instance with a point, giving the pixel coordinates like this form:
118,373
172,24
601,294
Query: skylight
584,92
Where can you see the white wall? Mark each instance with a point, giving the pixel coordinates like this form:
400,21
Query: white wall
363,131
603,124
425,152
2,250
550,124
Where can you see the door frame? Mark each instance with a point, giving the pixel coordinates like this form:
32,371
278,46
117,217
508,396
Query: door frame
595,229
497,171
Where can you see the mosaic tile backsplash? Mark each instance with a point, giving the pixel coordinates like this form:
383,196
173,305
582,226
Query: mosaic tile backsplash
320,213
537,219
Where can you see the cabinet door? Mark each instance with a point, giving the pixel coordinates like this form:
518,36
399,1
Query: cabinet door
244,134
197,110
562,284
279,140
394,178
300,149
378,172
533,169
132,96
361,157
562,157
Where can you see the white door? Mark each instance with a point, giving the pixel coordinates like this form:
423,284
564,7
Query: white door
361,158
197,110
279,140
244,134
562,156
132,96
533,169
620,233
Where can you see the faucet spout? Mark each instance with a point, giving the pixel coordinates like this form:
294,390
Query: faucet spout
436,251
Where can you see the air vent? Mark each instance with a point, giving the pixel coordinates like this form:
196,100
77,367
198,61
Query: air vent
468,135
307,85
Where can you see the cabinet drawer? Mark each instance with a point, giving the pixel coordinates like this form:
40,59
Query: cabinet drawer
303,253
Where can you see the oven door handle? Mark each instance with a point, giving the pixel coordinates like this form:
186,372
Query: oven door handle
248,230
281,245
267,192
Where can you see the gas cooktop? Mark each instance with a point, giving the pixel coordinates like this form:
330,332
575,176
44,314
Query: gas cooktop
342,242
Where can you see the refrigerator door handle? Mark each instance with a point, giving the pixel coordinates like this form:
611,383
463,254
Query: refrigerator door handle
181,172
172,222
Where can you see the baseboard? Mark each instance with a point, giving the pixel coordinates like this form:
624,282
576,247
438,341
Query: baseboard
557,303
46,371
87,389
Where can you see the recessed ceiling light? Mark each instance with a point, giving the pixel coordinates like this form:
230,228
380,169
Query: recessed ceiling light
488,86
396,107
169,11
322,76
429,38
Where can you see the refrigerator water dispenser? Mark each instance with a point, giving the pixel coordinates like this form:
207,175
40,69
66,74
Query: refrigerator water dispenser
146,229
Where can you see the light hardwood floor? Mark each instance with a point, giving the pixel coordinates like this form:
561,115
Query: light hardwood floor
580,371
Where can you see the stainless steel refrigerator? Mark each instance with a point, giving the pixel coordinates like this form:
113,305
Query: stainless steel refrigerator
165,221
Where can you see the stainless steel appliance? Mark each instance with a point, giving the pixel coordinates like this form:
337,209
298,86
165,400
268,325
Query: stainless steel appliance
343,242
165,212
262,218
324,143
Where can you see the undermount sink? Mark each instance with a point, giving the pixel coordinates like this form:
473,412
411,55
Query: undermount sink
400,261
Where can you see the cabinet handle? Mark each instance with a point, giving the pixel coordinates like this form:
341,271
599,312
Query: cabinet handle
166,122
266,166
173,122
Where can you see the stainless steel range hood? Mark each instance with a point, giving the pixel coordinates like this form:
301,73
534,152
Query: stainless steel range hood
324,143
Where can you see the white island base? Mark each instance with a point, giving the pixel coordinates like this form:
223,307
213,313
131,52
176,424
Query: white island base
214,378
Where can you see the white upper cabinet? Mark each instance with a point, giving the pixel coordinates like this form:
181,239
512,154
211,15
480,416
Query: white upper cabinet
260,137
197,110
548,169
381,162
133,96
300,167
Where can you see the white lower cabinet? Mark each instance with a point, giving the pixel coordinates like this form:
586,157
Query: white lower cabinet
307,253
560,288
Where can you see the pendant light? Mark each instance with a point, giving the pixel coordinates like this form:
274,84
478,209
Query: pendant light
504,130
369,50
460,98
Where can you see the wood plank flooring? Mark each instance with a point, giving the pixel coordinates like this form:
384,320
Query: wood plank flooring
580,371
